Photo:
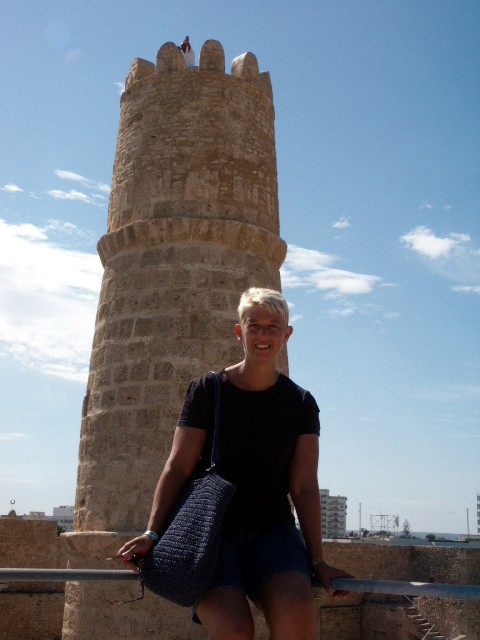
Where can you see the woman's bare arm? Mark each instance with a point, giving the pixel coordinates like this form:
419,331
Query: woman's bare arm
187,448
305,495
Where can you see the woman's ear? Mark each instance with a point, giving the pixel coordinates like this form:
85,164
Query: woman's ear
288,333
238,331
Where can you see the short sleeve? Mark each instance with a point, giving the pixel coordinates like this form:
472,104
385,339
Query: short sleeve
311,417
198,410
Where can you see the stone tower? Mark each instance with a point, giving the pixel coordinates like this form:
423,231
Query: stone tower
192,222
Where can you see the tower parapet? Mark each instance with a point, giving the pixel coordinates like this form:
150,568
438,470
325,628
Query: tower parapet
196,142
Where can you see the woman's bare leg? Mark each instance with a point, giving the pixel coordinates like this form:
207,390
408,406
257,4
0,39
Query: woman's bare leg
288,606
225,614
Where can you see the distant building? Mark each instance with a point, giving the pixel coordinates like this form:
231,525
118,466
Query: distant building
334,515
63,516
35,515
478,512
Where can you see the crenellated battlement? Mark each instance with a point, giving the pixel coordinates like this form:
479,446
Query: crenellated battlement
196,142
212,58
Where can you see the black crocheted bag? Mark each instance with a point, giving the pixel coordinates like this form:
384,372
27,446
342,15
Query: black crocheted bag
181,565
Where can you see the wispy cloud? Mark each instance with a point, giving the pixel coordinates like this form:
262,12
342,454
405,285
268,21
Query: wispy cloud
452,256
8,437
308,267
467,289
423,240
462,435
120,87
448,393
69,195
19,481
89,198
426,206
11,188
343,309
49,298
368,419
73,55
341,223
85,182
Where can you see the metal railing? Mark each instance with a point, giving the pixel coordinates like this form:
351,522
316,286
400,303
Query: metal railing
392,587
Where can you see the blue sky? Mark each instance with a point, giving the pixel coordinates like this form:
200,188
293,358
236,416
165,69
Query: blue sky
377,133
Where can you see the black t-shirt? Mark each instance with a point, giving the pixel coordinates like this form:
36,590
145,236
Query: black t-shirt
258,435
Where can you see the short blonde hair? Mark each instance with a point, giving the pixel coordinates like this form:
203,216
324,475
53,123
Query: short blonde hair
265,298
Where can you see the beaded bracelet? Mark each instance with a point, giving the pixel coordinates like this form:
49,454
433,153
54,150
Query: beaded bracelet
152,535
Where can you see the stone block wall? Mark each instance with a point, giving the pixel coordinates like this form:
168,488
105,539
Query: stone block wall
196,142
31,610
452,617
26,616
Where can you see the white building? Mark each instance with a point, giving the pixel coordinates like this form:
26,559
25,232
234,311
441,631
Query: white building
478,512
63,516
334,515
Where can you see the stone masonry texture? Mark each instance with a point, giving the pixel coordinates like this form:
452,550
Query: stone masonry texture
33,610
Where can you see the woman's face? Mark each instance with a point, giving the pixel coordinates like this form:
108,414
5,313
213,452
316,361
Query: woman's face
263,333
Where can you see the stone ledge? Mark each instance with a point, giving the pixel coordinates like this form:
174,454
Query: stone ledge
232,234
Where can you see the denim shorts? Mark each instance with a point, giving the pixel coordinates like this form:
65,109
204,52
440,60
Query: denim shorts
248,558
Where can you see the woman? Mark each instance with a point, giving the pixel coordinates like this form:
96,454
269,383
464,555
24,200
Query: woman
269,449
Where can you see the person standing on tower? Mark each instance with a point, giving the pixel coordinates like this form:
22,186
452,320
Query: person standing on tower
269,449
188,53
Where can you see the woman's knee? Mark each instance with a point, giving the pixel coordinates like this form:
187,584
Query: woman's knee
226,615
288,605
231,629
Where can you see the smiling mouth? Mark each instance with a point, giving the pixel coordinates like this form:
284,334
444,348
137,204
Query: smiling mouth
262,347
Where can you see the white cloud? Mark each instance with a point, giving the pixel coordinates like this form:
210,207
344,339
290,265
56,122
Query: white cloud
448,393
464,436
86,182
62,225
451,256
13,436
49,299
69,195
343,310
69,175
307,267
12,188
467,289
295,318
423,240
73,55
426,205
19,481
121,87
342,223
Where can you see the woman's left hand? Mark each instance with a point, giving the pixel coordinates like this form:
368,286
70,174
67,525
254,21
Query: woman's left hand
325,573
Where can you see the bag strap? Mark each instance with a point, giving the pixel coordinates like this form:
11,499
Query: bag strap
217,394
